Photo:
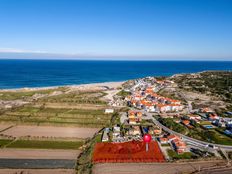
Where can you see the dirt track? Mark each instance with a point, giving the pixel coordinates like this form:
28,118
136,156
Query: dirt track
50,131
154,168
4,126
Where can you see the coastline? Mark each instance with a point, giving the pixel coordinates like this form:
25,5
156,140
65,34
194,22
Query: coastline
79,86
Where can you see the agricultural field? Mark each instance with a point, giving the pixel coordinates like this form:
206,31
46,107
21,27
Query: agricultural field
49,132
75,108
17,95
56,116
45,144
54,123
175,156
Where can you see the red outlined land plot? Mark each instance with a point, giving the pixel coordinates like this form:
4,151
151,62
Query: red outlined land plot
134,151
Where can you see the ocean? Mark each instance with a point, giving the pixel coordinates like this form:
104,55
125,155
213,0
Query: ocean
43,73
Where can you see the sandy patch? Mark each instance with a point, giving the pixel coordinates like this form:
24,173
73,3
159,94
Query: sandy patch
73,106
91,86
5,126
37,171
49,131
38,154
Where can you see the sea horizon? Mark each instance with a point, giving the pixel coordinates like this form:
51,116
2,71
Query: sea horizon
35,73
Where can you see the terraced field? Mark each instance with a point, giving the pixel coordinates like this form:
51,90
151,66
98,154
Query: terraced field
83,109
51,120
56,116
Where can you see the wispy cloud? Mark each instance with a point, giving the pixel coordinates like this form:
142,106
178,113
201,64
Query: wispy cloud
15,50
13,53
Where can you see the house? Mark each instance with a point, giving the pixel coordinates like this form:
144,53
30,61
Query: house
109,111
162,108
132,120
172,137
134,117
179,146
116,131
177,102
185,122
149,107
219,123
176,107
163,140
169,107
139,116
205,110
135,130
157,131
196,118
213,116
105,135
131,113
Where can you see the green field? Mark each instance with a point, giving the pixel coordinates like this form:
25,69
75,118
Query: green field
217,138
197,132
51,116
24,94
4,142
57,113
211,136
78,98
169,122
175,156
37,144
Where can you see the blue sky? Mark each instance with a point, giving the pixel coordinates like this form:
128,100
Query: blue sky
116,29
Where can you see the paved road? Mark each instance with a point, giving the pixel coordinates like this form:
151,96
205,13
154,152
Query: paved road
37,163
186,138
19,153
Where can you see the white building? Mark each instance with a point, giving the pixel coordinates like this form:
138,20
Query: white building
109,111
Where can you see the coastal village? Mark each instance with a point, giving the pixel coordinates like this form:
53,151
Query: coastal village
137,121
146,107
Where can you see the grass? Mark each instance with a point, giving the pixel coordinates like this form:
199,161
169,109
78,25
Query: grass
211,136
4,142
230,155
78,97
123,93
165,145
218,138
175,156
39,114
38,144
29,109
55,116
173,125
20,95
84,162
205,123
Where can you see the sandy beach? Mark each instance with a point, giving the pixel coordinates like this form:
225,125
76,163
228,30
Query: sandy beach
90,86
